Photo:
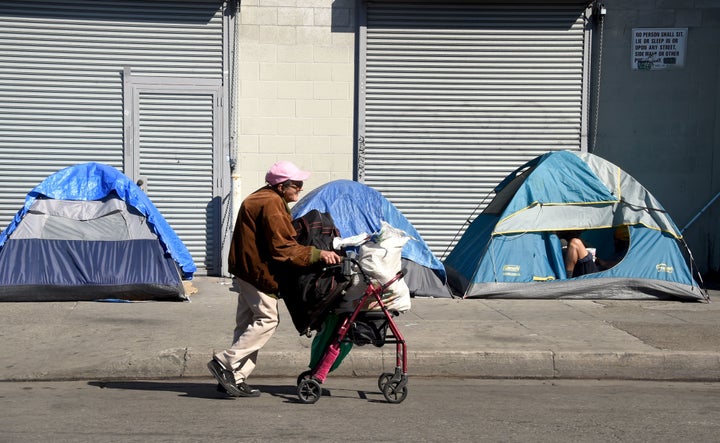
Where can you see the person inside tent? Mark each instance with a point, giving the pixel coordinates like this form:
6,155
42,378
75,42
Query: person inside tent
578,260
621,241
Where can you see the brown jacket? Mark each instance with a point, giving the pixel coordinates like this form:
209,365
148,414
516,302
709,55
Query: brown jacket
264,241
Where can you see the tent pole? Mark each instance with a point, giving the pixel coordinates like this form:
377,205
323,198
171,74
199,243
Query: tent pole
700,213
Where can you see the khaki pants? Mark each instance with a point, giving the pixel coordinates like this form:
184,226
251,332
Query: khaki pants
255,322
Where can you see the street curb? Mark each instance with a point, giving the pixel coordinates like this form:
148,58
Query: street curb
675,366
371,362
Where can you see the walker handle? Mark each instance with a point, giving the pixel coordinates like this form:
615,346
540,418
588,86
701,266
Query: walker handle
366,278
397,277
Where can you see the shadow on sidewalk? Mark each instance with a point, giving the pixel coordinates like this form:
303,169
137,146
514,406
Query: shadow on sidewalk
209,391
185,389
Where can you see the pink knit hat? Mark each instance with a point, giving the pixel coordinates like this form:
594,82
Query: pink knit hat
284,170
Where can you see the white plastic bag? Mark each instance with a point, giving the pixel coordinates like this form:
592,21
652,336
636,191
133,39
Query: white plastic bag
381,259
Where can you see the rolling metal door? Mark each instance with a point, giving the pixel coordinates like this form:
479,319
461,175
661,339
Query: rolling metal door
61,90
454,96
173,142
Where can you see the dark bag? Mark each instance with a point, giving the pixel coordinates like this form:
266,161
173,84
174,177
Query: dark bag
367,330
316,229
310,292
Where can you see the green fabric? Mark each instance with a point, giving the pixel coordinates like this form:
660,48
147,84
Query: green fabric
322,340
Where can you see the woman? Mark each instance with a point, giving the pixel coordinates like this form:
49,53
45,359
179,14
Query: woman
263,243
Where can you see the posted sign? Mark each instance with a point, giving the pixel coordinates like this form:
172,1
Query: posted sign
658,48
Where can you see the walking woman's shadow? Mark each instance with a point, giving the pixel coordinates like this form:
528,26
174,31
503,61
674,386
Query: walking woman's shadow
208,390
194,389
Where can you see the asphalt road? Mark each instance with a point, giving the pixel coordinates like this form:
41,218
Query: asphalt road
352,409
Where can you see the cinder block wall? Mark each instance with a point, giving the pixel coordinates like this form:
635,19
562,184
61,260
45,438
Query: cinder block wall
661,126
296,89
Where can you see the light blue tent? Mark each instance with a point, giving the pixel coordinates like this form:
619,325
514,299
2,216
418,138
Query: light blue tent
357,208
512,249
89,232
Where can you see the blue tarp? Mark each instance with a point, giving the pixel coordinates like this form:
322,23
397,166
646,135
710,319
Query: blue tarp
95,181
357,208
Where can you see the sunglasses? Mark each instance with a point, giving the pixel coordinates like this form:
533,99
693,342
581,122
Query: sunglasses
297,185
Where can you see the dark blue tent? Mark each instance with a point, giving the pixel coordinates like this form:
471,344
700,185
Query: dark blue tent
88,232
357,208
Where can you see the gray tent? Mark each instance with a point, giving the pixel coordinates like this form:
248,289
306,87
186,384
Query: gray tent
88,232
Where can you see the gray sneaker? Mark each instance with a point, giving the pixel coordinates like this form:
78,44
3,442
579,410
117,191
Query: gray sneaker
247,390
225,378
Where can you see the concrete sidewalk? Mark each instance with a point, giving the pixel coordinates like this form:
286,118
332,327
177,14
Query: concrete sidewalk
654,340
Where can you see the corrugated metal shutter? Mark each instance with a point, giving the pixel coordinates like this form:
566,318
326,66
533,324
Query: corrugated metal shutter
61,82
175,139
454,96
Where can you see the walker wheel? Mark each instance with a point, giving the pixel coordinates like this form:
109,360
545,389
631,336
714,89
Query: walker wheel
394,394
303,376
383,379
309,391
